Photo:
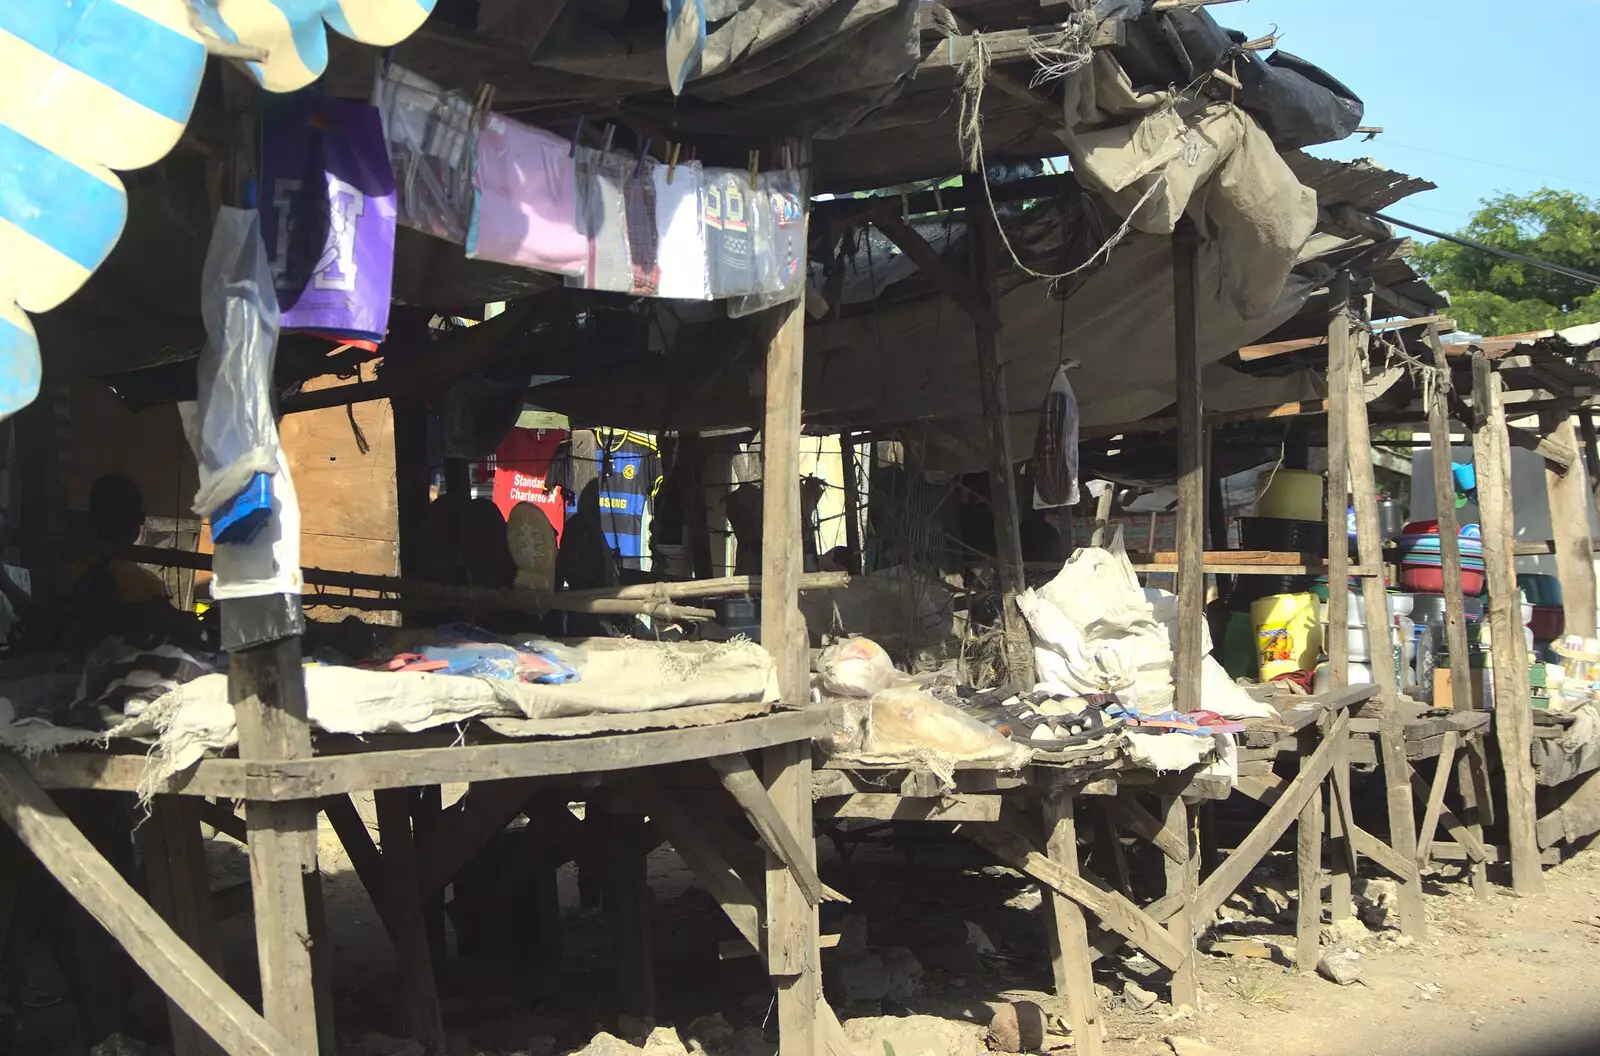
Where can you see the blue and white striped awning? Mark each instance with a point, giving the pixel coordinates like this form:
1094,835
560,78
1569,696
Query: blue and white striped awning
91,86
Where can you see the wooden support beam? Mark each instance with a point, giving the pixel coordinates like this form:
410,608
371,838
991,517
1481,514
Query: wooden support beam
1435,800
267,687
1576,818
631,906
1422,791
1569,497
1513,711
1142,823
1346,863
1067,934
180,890
1113,910
881,806
463,830
181,973
1559,453
364,855
1308,868
1396,864
424,1022
1375,603
737,776
220,816
1449,526
1294,409
1191,515
1216,888
1183,879
932,265
983,252
1472,785
687,834
1338,491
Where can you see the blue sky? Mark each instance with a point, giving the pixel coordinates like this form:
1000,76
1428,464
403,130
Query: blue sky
1504,83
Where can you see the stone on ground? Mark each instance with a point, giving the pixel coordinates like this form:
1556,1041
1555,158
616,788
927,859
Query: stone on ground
1347,931
1341,965
604,1044
915,1036
1017,1026
1182,1046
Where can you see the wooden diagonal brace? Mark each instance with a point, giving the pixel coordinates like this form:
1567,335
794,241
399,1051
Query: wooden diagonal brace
1142,823
1391,860
1216,888
745,786
928,261
1456,827
182,974
1113,910
743,906
1435,800
463,830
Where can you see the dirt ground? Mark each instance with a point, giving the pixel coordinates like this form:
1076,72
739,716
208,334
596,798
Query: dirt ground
935,931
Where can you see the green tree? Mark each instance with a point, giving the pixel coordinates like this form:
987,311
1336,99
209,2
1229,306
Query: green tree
1492,295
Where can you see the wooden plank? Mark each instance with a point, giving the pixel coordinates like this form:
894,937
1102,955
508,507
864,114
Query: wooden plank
424,1022
267,688
983,253
1133,817
1444,502
1114,911
1294,409
1339,363
180,890
1191,516
220,816
1216,888
1421,790
462,831
746,788
1066,932
1308,869
1472,785
1435,803
1513,711
878,806
1183,878
1391,736
1345,861
1569,517
180,972
1395,863
1578,817
340,774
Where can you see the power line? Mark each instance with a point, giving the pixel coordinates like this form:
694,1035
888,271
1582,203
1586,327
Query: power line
1491,164
1545,265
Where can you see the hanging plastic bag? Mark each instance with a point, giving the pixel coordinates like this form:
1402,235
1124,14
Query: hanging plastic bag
431,134
1055,446
233,434
778,243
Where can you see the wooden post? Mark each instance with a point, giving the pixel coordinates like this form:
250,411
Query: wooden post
175,868
1067,932
1190,534
793,955
1391,732
1472,784
1513,715
852,500
983,252
1591,450
1216,509
1444,500
1569,519
630,911
1338,643
1182,880
268,691
403,891
1308,859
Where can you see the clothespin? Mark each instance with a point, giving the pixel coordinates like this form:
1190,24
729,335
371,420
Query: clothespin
672,160
577,134
644,150
605,141
755,164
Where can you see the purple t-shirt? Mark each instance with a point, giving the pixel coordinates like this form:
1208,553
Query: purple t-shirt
328,218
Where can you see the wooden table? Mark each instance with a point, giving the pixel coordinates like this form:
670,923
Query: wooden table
174,941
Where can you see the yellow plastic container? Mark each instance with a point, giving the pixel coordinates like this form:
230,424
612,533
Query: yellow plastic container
1290,494
1288,634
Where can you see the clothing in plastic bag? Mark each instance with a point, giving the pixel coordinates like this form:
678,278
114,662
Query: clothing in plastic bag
524,211
680,198
605,222
431,138
1055,446
269,563
855,667
730,234
231,429
328,218
778,243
